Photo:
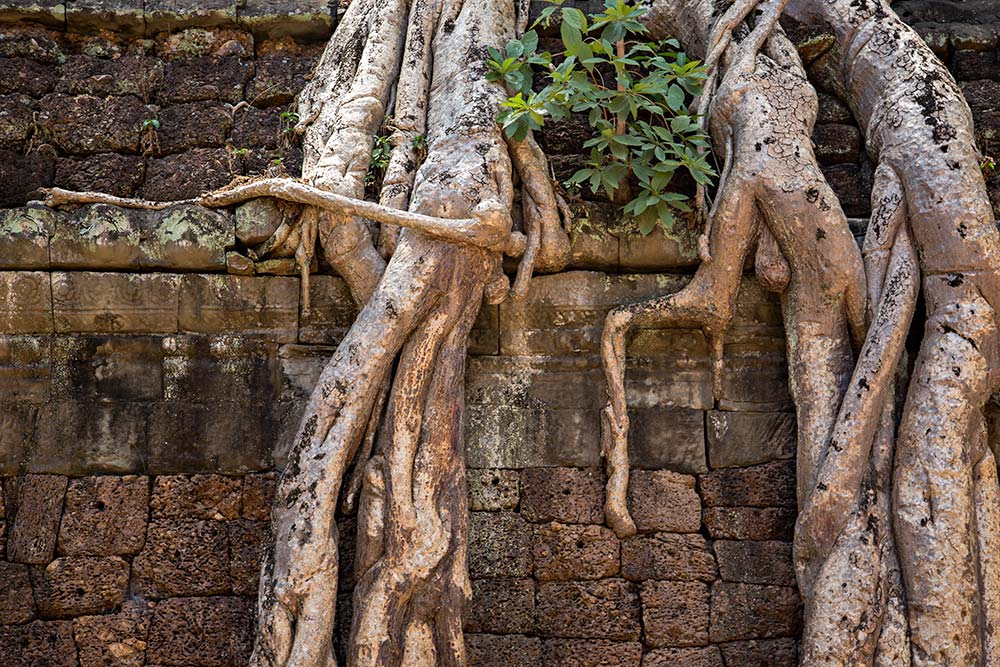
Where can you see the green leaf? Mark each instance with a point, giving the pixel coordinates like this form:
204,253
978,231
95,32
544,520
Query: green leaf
575,18
529,41
675,98
573,39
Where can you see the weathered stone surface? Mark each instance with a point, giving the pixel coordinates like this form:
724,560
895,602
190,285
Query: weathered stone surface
23,75
21,175
761,653
706,656
36,512
16,121
112,173
189,174
503,650
852,187
231,367
105,367
671,438
982,97
573,552
25,369
675,614
277,79
183,557
836,143
972,65
38,644
755,562
492,489
114,302
79,585
247,542
311,19
657,252
605,609
258,128
680,557
122,16
186,238
738,439
499,545
221,303
204,78
16,603
212,497
258,494
767,485
24,237
89,437
104,516
566,495
662,500
135,74
85,124
750,523
25,297
97,236
751,611
117,640
17,424
213,631
590,653
832,110
501,606
331,311
192,125
257,219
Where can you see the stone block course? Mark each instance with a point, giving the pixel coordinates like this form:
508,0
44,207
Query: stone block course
750,523
85,124
24,237
36,509
492,489
706,656
761,653
592,653
183,558
114,302
201,632
117,640
573,552
96,236
739,439
681,557
212,497
662,500
605,609
104,516
219,304
89,437
204,78
675,613
751,611
80,585
755,562
499,545
503,650
767,485
113,173
501,606
38,644
25,296
17,606
567,495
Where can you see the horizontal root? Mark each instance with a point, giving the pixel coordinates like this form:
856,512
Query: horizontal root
56,197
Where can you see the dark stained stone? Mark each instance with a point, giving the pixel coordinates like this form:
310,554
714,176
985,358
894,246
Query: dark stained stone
501,606
201,631
751,611
38,644
499,545
16,603
679,557
567,495
503,650
590,653
605,609
37,510
675,613
183,557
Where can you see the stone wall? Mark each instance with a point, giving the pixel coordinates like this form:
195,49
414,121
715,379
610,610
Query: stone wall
151,375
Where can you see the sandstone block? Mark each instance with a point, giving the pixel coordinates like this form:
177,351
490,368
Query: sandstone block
750,523
767,485
837,143
122,16
107,367
258,128
186,238
17,425
503,650
973,65
751,611
257,219
212,497
183,558
24,237
499,545
605,609
737,439
331,311
37,509
566,495
706,656
97,236
281,18
222,303
672,438
16,603
247,543
662,500
852,187
124,74
25,368
25,302
590,653
832,110
277,79
201,631
113,173
89,437
680,557
38,644
761,653
755,562
258,495
79,585
104,516
493,489
657,252
573,552
675,614
117,640
501,606
114,302
966,36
